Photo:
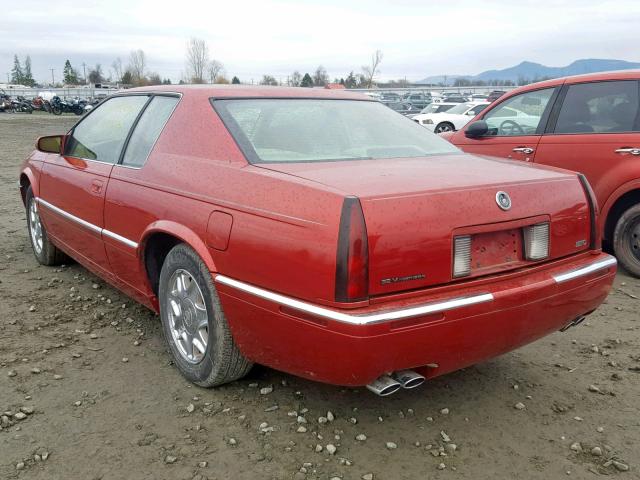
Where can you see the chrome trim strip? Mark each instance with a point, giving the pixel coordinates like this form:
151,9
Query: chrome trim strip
579,272
119,238
68,216
368,319
87,225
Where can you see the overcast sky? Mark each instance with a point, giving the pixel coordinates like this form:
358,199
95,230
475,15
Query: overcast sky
254,37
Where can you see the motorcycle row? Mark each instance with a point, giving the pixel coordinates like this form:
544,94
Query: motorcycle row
56,105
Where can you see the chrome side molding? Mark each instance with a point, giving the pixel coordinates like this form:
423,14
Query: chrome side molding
367,319
579,272
87,225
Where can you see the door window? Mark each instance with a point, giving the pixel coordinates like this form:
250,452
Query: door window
519,115
148,130
599,107
101,135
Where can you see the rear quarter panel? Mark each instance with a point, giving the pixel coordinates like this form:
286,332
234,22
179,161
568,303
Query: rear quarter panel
284,231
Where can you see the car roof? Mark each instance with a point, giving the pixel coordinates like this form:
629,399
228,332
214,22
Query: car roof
251,91
587,77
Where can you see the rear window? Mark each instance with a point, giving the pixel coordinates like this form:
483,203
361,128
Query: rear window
460,109
316,130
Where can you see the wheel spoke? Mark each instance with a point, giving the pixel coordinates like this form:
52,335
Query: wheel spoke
180,283
202,319
175,307
199,346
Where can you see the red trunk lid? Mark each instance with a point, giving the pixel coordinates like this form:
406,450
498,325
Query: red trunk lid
414,207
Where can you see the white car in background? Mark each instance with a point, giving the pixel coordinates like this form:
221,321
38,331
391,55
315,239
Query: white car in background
452,119
435,108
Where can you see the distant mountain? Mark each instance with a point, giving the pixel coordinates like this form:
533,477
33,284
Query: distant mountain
447,79
533,71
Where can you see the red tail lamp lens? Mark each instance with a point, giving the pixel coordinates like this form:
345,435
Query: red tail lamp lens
352,262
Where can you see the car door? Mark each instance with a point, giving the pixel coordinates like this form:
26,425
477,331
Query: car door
73,184
515,126
595,130
129,200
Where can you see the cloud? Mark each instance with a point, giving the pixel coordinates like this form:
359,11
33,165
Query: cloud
256,37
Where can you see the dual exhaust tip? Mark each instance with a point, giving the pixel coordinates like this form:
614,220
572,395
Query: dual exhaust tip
385,385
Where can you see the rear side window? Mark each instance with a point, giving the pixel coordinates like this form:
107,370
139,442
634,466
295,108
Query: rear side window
600,107
101,135
477,109
148,130
519,115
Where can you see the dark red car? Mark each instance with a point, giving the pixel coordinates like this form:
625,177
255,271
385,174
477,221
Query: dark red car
314,231
586,123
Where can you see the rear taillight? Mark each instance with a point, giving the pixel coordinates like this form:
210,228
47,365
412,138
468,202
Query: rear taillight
352,261
462,255
536,241
595,238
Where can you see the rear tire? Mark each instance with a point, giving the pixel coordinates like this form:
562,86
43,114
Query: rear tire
444,127
194,324
626,240
45,252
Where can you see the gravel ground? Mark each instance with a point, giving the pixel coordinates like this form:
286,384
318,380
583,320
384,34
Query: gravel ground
87,391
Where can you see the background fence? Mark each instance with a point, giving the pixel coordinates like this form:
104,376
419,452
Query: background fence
92,92
81,92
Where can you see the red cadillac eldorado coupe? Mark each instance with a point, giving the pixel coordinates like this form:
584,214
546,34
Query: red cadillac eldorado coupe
313,231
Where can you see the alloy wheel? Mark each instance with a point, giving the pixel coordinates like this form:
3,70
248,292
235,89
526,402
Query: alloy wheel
35,226
188,317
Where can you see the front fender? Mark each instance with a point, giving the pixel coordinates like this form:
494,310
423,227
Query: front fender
29,176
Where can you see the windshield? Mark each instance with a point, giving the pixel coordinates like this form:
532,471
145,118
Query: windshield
460,109
436,108
315,130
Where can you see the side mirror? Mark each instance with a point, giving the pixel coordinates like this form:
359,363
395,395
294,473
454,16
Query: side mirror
471,113
50,144
477,129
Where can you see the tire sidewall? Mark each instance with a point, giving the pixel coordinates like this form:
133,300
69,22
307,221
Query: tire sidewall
183,257
621,241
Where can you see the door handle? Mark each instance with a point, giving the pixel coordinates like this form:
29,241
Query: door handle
631,150
96,186
525,150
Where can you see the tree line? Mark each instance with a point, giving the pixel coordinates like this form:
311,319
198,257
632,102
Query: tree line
200,67
20,74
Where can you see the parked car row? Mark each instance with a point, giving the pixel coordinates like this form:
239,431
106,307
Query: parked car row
257,226
413,102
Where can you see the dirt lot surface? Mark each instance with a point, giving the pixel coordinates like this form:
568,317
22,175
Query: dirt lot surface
87,391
